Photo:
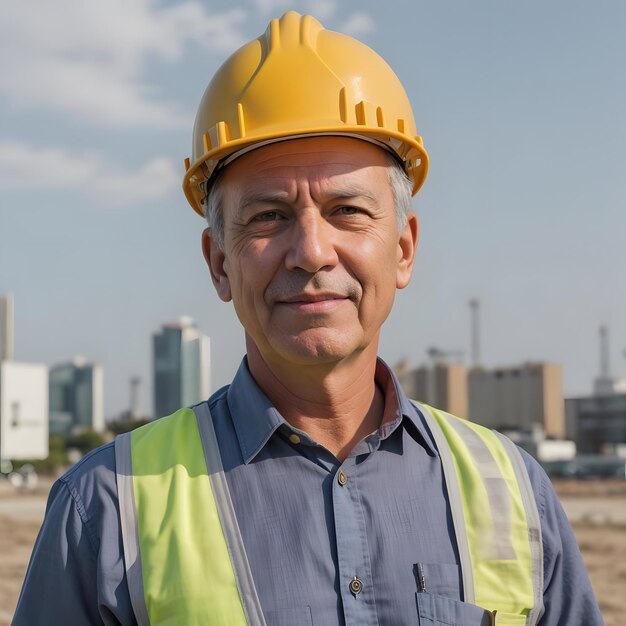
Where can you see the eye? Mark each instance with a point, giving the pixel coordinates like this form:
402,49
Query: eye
268,216
348,210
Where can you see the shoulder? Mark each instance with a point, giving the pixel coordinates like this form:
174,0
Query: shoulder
90,488
93,475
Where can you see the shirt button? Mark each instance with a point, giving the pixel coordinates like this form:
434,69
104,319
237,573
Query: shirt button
294,438
342,479
356,586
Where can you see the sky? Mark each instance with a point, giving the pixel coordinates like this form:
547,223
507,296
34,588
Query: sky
522,106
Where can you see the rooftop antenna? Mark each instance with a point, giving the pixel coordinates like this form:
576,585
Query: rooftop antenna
474,305
135,384
605,365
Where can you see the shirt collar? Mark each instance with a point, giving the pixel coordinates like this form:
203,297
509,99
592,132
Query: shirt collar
255,418
387,380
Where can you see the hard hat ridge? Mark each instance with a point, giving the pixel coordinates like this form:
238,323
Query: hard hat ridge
299,79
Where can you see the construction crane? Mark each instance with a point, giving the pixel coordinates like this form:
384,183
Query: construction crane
437,355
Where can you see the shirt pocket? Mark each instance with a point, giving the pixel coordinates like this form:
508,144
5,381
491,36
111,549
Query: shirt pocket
434,610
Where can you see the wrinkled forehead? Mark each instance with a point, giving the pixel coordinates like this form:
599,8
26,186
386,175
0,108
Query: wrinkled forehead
319,162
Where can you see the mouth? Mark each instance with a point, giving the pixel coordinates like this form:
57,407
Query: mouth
313,303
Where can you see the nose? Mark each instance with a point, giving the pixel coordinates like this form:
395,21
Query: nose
312,245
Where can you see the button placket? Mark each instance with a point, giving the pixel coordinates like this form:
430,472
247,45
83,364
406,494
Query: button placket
353,559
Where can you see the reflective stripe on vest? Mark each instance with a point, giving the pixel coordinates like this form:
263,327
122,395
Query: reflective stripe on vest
177,520
183,553
495,518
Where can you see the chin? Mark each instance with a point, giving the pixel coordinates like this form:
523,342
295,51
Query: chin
307,350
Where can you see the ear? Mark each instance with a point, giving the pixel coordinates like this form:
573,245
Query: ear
214,257
407,245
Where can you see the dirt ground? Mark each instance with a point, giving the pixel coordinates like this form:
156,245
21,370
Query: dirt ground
597,510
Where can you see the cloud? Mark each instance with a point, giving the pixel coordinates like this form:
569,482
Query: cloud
22,166
322,9
154,180
272,7
88,59
359,24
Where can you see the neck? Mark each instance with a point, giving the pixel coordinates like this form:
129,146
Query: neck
336,404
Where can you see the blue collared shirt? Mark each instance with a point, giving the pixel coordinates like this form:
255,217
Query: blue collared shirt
310,525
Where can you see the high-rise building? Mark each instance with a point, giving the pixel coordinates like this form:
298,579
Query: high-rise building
181,360
6,327
76,397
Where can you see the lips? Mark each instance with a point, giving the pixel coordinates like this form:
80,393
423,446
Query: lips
308,298
313,304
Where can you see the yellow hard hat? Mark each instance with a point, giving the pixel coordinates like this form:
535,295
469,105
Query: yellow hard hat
299,79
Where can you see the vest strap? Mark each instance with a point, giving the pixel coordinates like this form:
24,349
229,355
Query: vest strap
187,573
226,511
534,527
130,531
495,518
498,545
456,503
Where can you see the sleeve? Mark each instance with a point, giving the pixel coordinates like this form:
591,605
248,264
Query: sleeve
568,597
60,586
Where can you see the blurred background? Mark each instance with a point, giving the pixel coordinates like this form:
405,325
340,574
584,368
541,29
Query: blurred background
516,313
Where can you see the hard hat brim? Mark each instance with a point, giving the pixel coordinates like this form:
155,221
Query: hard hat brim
409,152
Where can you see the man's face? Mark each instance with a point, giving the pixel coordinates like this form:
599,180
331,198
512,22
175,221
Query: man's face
312,255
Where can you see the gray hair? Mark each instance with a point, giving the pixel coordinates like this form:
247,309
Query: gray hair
401,188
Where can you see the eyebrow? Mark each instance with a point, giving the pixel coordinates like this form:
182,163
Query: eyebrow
272,197
352,192
262,197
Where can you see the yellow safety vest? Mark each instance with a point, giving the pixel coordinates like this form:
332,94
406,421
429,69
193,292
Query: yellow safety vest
184,556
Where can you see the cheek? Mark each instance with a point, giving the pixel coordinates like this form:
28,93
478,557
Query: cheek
379,265
249,279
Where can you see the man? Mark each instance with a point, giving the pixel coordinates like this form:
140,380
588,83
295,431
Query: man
311,490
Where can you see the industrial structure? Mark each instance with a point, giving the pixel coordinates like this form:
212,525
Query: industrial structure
524,400
598,422
181,365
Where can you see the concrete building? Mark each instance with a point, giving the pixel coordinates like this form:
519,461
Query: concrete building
6,327
519,397
23,410
181,361
76,397
507,398
442,385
